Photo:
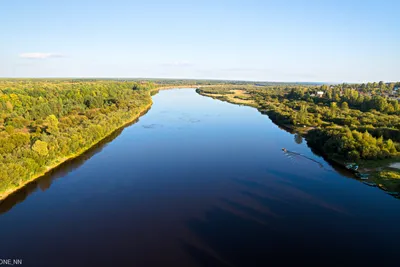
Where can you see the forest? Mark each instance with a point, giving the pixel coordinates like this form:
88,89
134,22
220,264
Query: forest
45,122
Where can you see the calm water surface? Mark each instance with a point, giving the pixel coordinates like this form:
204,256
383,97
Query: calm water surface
199,182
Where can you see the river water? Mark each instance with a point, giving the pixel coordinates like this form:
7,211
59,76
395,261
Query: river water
200,182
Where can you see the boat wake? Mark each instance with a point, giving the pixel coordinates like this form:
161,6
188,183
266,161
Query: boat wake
292,155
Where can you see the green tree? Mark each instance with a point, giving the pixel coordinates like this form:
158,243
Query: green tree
333,108
379,103
302,114
40,147
9,129
353,155
52,124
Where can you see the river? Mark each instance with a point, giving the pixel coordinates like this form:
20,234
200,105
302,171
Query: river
200,182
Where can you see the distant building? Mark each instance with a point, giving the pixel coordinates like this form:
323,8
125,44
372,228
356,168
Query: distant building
320,94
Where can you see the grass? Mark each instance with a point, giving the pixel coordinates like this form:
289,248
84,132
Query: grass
240,97
379,163
389,174
381,173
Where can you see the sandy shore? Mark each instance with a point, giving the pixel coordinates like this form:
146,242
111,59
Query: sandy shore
395,165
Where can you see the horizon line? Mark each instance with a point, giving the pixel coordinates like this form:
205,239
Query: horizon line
201,79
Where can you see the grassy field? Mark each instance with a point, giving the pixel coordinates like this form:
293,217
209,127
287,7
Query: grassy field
240,97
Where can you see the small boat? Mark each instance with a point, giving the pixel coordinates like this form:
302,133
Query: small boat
381,186
284,150
362,176
352,166
370,184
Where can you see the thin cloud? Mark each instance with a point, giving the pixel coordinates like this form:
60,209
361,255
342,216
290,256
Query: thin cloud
40,55
269,71
179,64
242,69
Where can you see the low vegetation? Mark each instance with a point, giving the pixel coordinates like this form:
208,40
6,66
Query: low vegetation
389,175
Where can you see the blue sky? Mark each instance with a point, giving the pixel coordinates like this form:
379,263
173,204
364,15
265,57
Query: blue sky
327,41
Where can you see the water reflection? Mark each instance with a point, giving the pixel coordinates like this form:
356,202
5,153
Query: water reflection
43,183
298,139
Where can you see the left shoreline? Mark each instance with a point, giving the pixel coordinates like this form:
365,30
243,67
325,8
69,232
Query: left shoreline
49,168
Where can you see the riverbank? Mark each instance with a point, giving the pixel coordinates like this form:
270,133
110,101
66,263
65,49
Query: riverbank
58,162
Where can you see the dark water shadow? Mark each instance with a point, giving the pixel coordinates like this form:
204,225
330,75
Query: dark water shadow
231,239
44,182
202,256
336,166
282,191
236,239
261,216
